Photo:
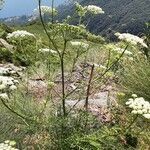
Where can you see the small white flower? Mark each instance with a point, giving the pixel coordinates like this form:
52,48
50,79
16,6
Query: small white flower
130,101
4,96
12,87
7,141
68,17
139,112
139,106
134,112
10,83
140,53
16,81
131,105
12,71
147,116
4,71
2,87
134,95
144,111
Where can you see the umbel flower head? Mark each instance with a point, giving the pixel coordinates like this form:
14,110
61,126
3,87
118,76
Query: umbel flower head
120,50
7,71
139,106
80,44
8,83
7,80
4,96
4,71
71,31
94,9
8,145
130,38
45,10
19,34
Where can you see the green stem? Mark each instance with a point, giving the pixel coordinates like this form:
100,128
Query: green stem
130,125
52,11
45,29
112,65
80,19
14,112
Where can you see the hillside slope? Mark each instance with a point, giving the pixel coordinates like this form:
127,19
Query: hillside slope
120,15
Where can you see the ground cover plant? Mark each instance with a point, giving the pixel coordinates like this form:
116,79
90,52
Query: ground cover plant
67,88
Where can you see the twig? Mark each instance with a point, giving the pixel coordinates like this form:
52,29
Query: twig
112,65
63,78
88,88
43,24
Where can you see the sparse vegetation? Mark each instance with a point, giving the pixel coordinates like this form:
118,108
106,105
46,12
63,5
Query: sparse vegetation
62,87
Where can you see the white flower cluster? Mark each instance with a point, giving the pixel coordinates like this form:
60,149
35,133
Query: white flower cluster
131,39
43,50
139,106
95,9
120,51
19,34
7,84
81,44
6,71
8,145
45,10
70,29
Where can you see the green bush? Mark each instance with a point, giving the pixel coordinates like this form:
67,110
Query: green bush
5,55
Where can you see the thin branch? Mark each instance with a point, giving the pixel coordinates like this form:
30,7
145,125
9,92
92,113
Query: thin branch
112,65
52,11
45,29
63,78
16,113
88,88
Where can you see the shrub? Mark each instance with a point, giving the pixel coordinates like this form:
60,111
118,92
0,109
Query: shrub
5,55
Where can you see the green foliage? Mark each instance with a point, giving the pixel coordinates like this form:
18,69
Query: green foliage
4,30
136,77
67,31
40,127
5,55
120,16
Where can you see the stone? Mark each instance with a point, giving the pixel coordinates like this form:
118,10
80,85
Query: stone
100,100
6,44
